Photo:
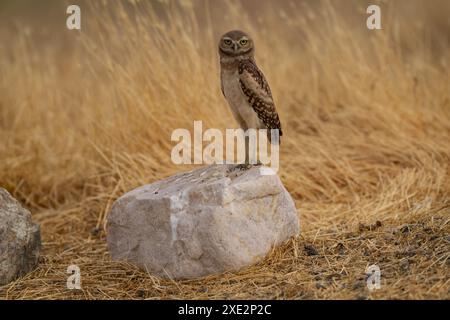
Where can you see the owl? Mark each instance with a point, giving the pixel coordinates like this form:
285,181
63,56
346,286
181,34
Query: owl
244,86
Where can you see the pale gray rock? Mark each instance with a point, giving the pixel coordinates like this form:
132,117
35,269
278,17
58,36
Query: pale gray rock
20,239
207,221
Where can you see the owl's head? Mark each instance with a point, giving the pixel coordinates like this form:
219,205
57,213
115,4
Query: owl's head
236,43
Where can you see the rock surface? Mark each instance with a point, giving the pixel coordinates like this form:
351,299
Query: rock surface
207,221
20,239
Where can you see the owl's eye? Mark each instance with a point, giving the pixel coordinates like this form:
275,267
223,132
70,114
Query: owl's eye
243,42
227,42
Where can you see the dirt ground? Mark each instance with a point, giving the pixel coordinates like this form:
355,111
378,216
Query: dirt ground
87,115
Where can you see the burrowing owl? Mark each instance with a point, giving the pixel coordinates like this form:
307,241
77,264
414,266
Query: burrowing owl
244,85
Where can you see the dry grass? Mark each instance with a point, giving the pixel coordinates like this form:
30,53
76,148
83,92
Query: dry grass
86,116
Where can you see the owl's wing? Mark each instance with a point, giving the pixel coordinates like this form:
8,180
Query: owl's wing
256,89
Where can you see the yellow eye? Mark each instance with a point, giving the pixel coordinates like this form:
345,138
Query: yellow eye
227,42
243,42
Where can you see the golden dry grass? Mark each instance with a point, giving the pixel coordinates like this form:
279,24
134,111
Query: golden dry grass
86,116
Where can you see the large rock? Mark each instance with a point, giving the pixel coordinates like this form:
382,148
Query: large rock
20,239
206,221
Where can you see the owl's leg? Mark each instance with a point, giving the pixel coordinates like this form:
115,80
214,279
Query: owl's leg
247,165
247,149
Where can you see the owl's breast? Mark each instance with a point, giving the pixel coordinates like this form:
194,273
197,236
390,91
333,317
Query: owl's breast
231,88
237,100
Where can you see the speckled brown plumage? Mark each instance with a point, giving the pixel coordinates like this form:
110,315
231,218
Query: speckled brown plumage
259,97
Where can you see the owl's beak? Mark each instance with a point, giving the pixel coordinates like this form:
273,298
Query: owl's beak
235,46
